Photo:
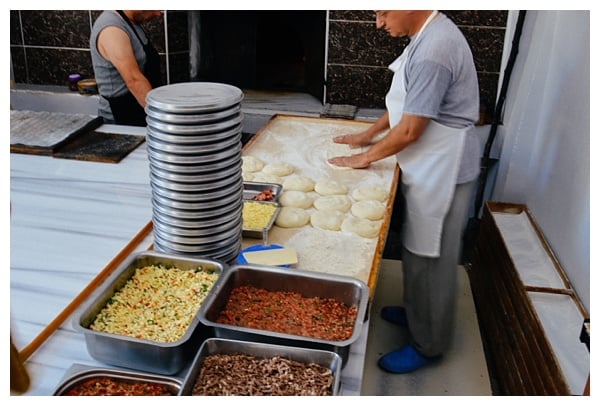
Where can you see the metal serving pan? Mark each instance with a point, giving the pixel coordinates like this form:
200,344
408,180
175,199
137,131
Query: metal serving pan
79,373
217,346
347,290
261,233
251,189
137,353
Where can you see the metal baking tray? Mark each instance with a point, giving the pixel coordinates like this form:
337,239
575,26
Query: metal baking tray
347,290
262,233
79,373
137,353
251,189
216,346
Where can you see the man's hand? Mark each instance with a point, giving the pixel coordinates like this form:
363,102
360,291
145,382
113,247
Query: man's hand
354,140
357,161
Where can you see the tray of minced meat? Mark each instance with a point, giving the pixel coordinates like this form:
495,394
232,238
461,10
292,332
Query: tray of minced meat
144,315
301,308
85,380
225,367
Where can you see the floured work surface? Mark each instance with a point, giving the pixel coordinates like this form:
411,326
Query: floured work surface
41,132
303,143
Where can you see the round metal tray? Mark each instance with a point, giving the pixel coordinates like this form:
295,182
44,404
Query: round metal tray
199,178
234,214
208,138
209,185
196,159
195,149
207,128
195,168
196,214
203,196
217,115
194,97
198,205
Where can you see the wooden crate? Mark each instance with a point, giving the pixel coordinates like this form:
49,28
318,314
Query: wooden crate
521,356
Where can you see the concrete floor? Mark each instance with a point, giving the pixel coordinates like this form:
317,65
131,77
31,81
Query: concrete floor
461,372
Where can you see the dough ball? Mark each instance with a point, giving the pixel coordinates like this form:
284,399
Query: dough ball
278,168
370,193
329,187
368,209
335,202
252,164
292,217
295,198
327,219
247,176
361,227
267,177
298,182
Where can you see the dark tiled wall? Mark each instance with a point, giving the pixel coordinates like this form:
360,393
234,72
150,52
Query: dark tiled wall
46,46
359,54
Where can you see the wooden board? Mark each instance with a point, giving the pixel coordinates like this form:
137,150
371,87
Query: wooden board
99,147
303,142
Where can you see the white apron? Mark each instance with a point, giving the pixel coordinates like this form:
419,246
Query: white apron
429,169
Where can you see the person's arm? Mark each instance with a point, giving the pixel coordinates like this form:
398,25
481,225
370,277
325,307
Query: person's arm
115,46
408,130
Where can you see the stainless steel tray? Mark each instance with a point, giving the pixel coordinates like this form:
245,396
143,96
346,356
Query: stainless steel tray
251,189
79,373
262,233
215,346
347,290
136,353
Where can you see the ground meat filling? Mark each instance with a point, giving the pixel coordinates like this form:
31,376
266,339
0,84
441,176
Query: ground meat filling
244,375
290,313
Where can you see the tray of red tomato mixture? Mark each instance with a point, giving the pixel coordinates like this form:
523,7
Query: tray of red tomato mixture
287,307
85,380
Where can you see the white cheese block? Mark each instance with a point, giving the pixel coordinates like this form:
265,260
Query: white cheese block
280,256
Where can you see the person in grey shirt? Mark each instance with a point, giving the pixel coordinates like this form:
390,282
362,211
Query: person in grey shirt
126,65
431,108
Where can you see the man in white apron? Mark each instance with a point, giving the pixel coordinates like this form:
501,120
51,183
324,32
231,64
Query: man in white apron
432,105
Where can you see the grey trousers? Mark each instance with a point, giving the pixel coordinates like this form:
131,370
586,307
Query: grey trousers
430,290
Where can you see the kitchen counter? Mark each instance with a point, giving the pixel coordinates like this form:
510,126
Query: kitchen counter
69,220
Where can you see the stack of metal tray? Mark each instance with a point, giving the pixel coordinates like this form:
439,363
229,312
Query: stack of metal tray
194,147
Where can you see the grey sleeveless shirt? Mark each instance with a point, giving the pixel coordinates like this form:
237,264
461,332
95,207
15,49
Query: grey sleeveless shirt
109,81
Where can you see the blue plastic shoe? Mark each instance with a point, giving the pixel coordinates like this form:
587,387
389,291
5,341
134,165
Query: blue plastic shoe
405,360
395,314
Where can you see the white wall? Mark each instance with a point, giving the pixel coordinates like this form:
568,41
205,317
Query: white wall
545,139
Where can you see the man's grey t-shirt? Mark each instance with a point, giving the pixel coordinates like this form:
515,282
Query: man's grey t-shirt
441,83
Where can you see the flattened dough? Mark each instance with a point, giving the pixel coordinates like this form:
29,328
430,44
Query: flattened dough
247,176
299,182
278,168
251,164
334,202
368,209
328,187
292,217
370,193
327,219
295,198
361,227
